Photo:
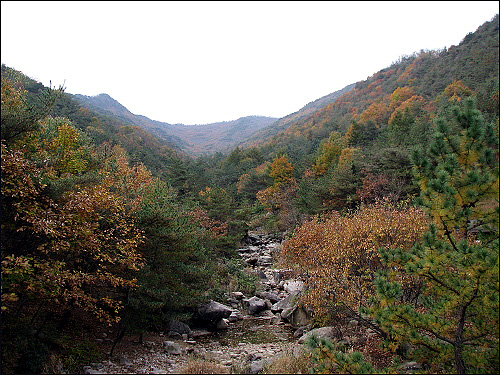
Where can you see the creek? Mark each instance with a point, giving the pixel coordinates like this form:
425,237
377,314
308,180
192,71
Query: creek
247,344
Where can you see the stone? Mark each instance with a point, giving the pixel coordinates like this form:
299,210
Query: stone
158,371
252,238
271,296
297,316
213,312
172,348
286,302
261,275
301,330
91,371
201,333
293,286
124,361
179,327
235,316
237,295
330,333
222,324
174,335
411,366
255,305
264,260
256,367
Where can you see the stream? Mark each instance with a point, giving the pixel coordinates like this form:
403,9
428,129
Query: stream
247,344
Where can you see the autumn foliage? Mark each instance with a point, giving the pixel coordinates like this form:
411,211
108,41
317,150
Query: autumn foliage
338,254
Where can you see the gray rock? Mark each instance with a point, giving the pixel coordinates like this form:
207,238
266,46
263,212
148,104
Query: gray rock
301,330
124,361
235,316
264,260
179,327
287,302
297,316
174,335
261,275
92,371
213,311
255,305
293,286
256,367
330,333
172,348
411,366
237,295
222,324
271,296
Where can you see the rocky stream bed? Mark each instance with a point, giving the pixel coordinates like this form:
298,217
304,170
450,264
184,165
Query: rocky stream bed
242,336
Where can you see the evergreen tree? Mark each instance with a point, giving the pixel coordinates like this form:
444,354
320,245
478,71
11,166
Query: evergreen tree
452,319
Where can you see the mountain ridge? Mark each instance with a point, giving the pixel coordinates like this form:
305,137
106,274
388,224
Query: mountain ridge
192,139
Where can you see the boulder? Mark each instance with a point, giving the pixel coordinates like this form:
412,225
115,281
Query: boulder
213,312
261,275
179,327
255,305
265,260
235,316
222,324
297,316
330,333
285,303
252,238
237,295
172,348
293,286
271,296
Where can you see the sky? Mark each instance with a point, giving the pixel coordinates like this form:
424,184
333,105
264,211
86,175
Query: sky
202,62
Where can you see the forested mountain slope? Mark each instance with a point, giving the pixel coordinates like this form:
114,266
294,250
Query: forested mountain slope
283,123
192,139
423,76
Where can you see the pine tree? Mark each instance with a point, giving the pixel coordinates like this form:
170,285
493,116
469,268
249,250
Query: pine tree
453,322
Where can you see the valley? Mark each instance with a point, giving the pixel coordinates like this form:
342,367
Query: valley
359,234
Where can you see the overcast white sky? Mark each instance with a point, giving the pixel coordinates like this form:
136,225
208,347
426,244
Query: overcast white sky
203,62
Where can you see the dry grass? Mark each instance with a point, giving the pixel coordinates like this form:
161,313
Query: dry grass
197,366
289,363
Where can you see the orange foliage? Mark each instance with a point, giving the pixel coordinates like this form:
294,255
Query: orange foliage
376,112
82,245
413,104
457,91
214,228
400,95
338,255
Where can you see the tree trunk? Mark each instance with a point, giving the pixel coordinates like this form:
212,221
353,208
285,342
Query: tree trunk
118,339
459,361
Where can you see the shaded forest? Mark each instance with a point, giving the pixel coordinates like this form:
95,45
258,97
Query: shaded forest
386,198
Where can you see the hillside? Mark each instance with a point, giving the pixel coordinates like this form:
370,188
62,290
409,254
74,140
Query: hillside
283,123
425,74
192,139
